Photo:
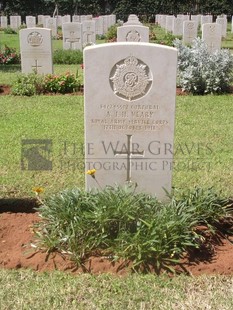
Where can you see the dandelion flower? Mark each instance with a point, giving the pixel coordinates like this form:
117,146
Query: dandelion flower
91,172
38,190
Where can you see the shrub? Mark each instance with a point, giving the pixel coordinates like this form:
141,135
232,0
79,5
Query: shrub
201,72
111,35
28,85
33,84
63,84
68,57
168,39
119,223
9,30
9,56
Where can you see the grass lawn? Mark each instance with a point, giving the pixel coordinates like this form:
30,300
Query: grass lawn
29,290
203,142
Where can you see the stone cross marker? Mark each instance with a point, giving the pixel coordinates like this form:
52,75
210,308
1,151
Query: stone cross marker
72,36
129,96
36,50
89,32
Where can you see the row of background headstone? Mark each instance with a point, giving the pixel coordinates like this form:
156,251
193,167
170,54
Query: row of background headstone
212,33
46,21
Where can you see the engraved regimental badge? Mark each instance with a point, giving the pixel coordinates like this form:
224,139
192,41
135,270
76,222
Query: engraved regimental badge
133,36
35,38
130,78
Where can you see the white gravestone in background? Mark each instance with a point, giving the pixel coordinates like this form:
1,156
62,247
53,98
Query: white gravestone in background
189,31
51,23
223,22
129,96
89,34
66,19
169,23
36,50
3,21
76,18
133,31
177,27
212,35
45,17
72,36
30,21
15,22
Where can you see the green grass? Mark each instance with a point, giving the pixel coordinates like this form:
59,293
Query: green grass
30,290
204,126
201,121
49,117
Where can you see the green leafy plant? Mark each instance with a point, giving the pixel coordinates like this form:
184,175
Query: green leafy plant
9,30
28,85
119,223
168,39
201,72
111,35
34,84
9,56
63,84
67,57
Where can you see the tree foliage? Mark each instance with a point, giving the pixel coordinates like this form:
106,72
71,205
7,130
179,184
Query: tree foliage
121,8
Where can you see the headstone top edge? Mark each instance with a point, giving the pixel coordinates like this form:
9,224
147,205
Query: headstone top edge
121,44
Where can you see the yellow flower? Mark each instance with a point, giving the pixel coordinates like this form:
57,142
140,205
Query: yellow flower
91,172
38,190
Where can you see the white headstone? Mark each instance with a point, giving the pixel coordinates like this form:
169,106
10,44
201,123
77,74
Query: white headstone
132,33
212,35
205,19
105,23
72,36
163,21
189,31
66,19
3,21
169,22
30,21
177,27
51,23
133,20
223,22
36,50
99,25
196,18
76,18
45,17
40,19
130,91
59,20
15,22
89,34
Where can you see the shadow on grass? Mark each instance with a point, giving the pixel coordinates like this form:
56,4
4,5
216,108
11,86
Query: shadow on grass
10,68
18,205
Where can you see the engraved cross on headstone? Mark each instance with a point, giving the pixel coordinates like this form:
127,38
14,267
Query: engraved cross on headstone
212,47
129,153
88,34
36,66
